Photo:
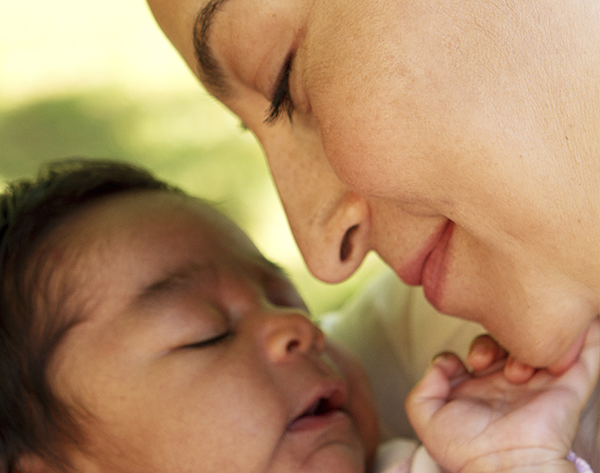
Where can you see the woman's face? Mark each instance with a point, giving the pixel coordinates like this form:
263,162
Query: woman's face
459,140
193,353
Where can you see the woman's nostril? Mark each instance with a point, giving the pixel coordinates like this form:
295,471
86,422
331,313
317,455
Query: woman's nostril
346,246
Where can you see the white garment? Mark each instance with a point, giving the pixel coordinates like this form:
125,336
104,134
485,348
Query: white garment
403,456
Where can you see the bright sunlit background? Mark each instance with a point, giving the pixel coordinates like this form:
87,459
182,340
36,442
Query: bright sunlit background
97,78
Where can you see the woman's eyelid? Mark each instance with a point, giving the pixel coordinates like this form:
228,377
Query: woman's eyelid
281,100
284,75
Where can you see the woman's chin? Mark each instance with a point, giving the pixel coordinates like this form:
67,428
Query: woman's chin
569,358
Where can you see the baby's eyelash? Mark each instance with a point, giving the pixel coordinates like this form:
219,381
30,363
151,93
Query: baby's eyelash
282,102
209,342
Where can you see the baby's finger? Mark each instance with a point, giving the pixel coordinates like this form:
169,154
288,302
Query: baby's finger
452,366
431,393
516,372
486,356
484,352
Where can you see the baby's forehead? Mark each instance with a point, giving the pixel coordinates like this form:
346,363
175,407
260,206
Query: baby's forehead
143,231
134,215
120,246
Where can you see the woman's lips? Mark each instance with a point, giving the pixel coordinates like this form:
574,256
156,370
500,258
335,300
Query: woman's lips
429,266
434,267
412,273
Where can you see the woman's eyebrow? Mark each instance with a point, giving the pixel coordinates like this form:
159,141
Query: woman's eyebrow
209,69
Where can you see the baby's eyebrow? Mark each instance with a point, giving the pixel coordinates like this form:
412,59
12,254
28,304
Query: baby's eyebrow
209,69
193,275
175,280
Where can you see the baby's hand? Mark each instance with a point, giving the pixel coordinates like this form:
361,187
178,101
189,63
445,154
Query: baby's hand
480,421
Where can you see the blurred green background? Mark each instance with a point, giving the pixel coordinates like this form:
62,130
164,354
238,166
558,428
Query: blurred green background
97,78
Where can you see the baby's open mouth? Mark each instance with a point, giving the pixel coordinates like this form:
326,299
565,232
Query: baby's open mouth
321,408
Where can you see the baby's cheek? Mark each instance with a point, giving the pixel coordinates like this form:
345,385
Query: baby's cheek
361,402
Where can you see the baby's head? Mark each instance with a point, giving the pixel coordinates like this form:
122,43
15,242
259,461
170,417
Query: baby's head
142,331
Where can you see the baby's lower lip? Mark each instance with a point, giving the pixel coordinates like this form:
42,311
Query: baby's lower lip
317,422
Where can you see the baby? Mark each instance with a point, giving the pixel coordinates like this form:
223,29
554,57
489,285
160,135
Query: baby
142,331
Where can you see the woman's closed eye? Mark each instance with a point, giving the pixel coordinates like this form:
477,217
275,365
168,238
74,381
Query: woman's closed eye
282,101
209,342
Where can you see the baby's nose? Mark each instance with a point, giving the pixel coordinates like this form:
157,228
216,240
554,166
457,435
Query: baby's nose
289,334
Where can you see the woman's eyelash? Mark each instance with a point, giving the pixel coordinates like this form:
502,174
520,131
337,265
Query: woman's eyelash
282,101
209,342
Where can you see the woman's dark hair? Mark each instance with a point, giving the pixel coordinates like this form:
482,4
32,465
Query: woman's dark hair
32,421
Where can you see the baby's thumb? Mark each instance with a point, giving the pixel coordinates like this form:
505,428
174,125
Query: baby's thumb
431,393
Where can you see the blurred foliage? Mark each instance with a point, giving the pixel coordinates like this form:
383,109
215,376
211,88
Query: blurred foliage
187,141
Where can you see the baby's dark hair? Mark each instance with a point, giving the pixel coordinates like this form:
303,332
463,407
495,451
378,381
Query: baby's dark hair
33,422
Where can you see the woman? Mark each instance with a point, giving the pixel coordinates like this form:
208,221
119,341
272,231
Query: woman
459,140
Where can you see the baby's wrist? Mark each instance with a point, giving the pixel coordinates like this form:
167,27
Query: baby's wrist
526,461
556,467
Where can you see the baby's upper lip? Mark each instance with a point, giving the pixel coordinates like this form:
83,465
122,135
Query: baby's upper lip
324,398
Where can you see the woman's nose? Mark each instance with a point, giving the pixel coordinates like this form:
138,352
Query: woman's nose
288,334
330,223
335,239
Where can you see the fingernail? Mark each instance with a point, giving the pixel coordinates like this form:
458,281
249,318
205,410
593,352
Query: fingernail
439,358
480,350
